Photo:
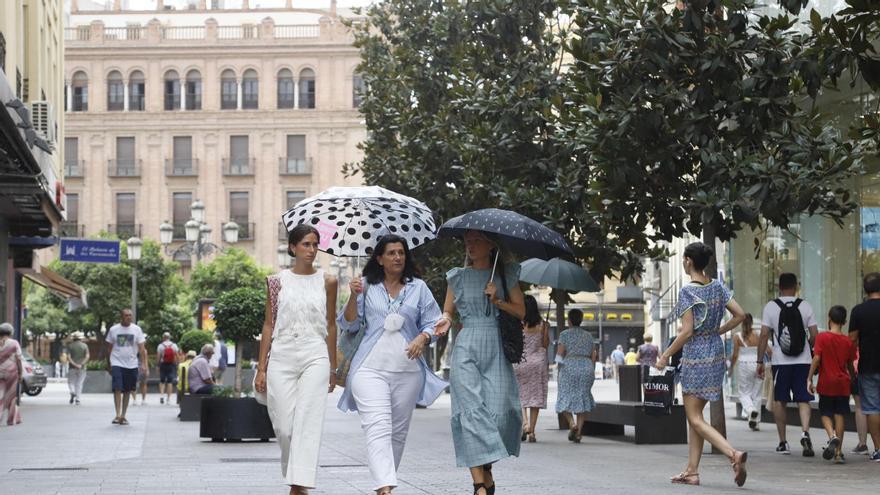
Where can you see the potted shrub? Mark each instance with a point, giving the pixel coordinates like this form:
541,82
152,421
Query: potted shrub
239,316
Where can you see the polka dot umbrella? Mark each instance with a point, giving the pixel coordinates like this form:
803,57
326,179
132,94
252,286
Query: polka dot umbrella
350,219
517,233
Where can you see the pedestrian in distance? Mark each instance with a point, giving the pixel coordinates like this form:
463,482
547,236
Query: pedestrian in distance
789,323
125,346
744,360
199,376
631,358
861,420
864,330
575,354
76,376
141,386
646,354
220,359
619,359
701,308
10,374
833,357
388,375
63,364
533,373
486,412
166,355
298,357
183,374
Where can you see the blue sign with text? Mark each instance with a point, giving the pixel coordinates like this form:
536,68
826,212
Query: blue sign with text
89,251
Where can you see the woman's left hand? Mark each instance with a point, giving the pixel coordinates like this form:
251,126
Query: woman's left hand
415,347
662,362
332,385
491,291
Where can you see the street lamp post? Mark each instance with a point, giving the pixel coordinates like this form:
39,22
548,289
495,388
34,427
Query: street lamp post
133,246
600,298
198,234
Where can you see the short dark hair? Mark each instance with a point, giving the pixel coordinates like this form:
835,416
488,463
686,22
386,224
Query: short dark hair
299,233
871,282
788,281
701,254
576,317
837,314
533,316
374,272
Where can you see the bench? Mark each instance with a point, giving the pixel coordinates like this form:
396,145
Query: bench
792,416
191,406
609,418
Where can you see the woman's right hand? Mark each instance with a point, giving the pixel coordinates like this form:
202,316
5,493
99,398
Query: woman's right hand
662,362
260,382
356,286
442,326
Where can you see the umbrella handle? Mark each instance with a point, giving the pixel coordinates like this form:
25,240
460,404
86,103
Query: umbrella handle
494,265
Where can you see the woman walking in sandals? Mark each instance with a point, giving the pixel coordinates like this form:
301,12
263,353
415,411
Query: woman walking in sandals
701,306
486,412
297,357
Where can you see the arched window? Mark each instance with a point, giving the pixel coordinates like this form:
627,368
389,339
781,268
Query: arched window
286,89
250,90
228,90
136,88
115,92
357,90
80,85
172,90
193,90
307,88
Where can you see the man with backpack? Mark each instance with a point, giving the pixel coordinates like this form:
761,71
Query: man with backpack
166,356
791,326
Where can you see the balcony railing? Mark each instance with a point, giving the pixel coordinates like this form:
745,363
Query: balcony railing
129,33
181,167
151,33
183,33
294,166
246,230
239,166
124,168
125,230
74,168
71,229
282,232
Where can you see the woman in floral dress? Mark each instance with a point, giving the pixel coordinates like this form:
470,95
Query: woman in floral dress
701,306
576,354
532,373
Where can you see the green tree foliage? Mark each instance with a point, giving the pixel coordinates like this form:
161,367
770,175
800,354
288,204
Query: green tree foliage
227,272
193,340
690,121
239,315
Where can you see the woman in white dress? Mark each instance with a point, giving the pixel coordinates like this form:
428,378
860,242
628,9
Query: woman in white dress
388,374
298,357
745,360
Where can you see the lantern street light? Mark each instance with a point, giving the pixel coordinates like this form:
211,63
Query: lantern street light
197,234
133,246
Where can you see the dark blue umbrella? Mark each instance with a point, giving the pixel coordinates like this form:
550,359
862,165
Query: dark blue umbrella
517,233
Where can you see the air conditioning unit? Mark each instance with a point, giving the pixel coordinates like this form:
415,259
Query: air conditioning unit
43,118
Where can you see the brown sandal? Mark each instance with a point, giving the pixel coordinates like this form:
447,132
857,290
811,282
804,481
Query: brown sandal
738,463
686,479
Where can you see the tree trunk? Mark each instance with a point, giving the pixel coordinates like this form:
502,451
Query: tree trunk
237,385
559,298
716,407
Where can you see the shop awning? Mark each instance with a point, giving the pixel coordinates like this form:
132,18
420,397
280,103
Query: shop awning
75,295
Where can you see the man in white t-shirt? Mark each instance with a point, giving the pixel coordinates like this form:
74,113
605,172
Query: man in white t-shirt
124,342
790,367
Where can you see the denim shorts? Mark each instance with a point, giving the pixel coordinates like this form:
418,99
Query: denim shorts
123,379
869,390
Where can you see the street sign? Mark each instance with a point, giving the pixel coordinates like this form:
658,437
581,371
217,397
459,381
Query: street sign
89,251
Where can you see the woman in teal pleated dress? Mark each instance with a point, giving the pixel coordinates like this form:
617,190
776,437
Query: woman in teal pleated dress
486,413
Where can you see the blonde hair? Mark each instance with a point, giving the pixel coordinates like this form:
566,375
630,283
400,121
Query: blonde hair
649,337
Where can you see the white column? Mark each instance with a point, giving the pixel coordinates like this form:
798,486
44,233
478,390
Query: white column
296,93
182,95
239,84
69,97
125,95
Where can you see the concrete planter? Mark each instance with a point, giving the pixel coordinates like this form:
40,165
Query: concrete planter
224,419
97,382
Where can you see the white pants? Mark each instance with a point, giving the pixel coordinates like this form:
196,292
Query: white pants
296,396
750,387
385,402
75,379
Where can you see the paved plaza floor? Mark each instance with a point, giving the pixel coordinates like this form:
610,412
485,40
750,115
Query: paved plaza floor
63,449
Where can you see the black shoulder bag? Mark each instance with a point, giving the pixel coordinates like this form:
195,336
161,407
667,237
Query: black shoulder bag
510,328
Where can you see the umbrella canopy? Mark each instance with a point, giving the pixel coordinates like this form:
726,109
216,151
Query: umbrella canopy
350,219
517,233
558,274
